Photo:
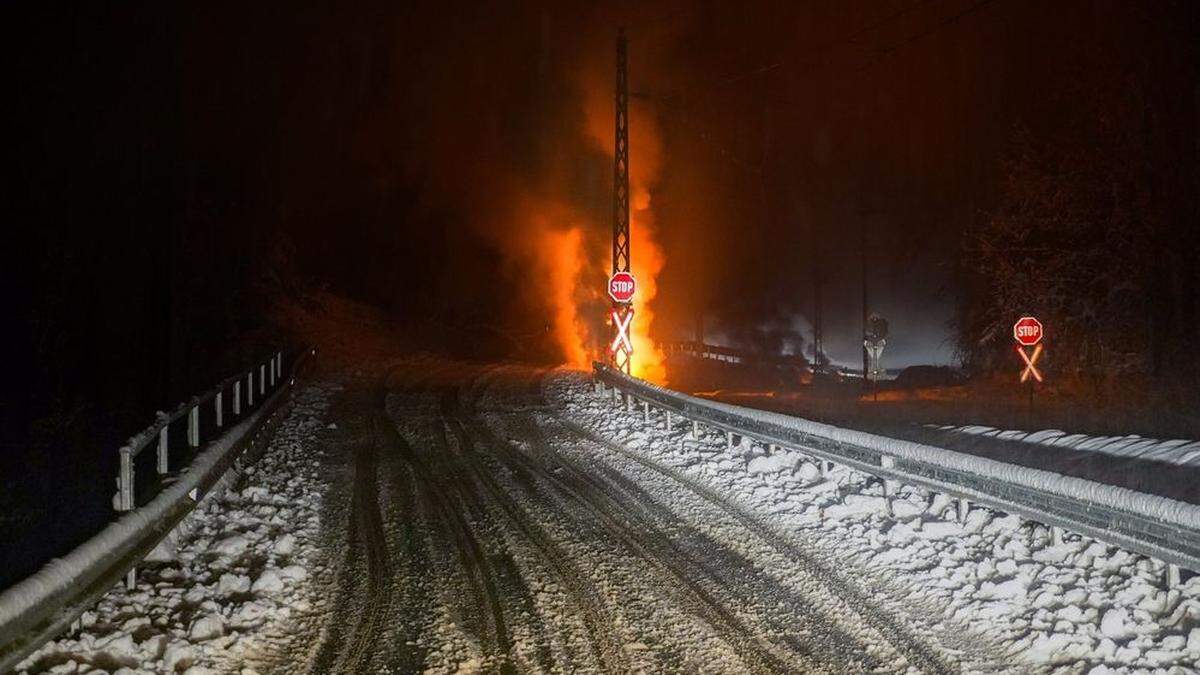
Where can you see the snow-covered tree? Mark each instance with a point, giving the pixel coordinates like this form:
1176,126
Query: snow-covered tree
1074,239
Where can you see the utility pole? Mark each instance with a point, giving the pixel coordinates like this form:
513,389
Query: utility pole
818,340
862,232
621,356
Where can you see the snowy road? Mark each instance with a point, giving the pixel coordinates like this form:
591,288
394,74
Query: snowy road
484,532
438,517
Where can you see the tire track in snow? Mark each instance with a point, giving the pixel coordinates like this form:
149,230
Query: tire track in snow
589,501
488,498
363,583
448,506
919,654
586,600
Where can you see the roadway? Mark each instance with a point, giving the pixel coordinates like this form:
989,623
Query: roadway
473,528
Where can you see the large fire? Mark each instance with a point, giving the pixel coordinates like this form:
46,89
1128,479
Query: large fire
647,261
562,254
554,250
575,274
647,258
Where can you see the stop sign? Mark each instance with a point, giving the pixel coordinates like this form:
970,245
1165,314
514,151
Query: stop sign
1027,331
621,286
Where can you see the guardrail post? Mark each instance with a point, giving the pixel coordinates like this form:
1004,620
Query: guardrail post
964,509
771,448
629,403
194,426
668,421
887,497
262,380
250,389
1173,576
237,397
695,430
219,409
825,466
279,364
1056,535
125,480
645,413
125,485
163,457
271,371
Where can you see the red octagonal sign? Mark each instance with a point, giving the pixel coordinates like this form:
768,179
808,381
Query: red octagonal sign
621,287
1027,331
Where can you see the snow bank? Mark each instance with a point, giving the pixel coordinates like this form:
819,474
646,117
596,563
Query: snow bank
91,558
238,588
1055,605
1178,452
1089,492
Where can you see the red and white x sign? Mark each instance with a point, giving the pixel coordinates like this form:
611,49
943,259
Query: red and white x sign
622,337
1030,369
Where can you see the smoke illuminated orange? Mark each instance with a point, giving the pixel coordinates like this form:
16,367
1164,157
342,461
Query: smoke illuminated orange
553,249
562,255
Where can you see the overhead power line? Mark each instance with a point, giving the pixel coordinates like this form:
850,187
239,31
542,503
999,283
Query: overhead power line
829,46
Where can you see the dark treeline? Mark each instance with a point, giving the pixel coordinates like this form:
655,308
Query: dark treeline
141,241
176,168
1095,221
142,234
175,165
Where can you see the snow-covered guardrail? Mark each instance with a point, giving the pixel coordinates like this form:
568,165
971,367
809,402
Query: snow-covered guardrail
243,408
1162,528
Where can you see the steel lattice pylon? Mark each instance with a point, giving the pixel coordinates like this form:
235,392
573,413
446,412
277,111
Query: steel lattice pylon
621,356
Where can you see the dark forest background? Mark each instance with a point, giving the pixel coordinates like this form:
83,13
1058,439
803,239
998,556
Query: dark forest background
175,168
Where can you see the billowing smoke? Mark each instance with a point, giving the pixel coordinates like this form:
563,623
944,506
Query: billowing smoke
776,334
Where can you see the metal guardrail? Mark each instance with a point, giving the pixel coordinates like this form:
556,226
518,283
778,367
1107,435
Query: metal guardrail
733,355
1155,526
37,609
241,402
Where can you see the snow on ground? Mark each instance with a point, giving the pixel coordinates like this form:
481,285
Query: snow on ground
237,594
1178,451
1078,606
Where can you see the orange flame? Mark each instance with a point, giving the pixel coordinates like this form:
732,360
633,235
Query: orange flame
647,261
553,250
562,254
558,252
